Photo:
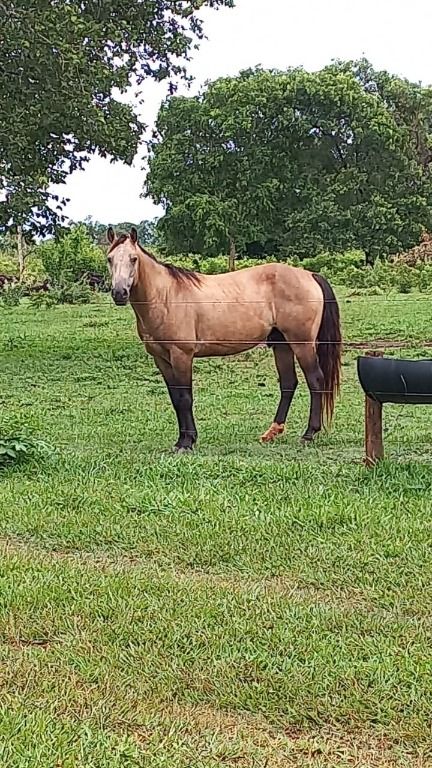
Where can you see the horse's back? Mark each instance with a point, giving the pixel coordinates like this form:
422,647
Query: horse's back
274,279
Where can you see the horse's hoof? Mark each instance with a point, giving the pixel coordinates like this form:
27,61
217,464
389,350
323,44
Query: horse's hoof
180,449
307,440
272,433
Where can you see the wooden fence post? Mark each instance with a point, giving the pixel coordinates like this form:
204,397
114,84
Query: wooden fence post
232,256
373,427
21,252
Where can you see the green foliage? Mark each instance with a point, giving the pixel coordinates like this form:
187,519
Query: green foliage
215,265
70,256
11,296
66,293
13,450
34,271
67,60
8,265
295,163
335,266
97,232
383,277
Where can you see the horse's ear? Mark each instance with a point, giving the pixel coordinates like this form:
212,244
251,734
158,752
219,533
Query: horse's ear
133,235
111,235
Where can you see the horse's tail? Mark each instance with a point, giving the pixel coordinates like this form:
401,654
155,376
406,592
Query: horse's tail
329,348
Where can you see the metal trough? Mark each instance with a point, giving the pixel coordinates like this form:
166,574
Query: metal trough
389,380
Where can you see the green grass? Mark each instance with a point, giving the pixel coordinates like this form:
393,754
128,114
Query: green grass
248,606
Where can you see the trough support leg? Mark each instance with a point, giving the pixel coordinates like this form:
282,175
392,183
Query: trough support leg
373,432
373,427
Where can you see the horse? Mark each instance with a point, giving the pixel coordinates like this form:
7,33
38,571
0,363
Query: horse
7,281
43,287
182,315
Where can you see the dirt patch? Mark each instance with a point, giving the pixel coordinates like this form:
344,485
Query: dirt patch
21,643
248,740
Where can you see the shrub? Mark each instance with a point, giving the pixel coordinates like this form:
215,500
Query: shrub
334,265
34,271
11,296
18,448
66,293
215,265
73,293
13,449
71,256
425,278
8,265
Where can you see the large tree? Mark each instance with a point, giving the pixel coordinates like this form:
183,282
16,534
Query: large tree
61,64
295,162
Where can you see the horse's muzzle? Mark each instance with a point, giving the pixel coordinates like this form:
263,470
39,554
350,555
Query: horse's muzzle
120,296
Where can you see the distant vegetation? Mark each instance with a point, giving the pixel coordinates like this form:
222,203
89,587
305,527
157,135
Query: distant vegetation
291,164
72,268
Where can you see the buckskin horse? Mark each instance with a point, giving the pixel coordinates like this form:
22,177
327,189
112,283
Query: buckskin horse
182,314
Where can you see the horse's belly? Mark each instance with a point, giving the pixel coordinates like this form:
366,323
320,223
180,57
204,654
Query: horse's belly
231,329
223,348
231,340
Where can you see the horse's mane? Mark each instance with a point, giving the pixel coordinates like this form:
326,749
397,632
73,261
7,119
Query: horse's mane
180,274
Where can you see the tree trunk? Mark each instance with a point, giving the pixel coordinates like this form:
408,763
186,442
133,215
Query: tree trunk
232,256
21,252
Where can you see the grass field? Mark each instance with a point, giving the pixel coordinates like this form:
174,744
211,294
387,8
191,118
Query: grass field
249,606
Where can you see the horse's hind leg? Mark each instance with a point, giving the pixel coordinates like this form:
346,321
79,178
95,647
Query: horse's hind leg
308,361
284,359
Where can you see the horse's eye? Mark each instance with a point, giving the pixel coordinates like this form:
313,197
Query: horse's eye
109,259
134,259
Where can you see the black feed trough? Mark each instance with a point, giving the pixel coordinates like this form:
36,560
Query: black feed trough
389,380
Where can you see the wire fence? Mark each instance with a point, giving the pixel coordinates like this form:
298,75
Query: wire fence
231,424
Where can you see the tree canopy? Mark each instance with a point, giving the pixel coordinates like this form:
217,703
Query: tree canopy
97,232
295,162
60,66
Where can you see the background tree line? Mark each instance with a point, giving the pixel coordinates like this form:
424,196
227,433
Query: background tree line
294,163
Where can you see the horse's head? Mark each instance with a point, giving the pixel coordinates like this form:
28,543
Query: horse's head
123,264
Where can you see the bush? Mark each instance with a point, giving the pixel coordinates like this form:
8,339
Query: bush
425,278
18,448
334,265
34,271
13,450
8,265
11,296
67,293
71,256
215,265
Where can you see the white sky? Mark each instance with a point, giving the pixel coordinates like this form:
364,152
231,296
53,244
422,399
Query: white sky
392,34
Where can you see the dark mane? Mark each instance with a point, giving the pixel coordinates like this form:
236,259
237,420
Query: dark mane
180,274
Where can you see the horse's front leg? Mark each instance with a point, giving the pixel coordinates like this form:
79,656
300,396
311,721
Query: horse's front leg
177,373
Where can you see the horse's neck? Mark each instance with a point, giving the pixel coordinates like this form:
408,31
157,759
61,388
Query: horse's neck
151,287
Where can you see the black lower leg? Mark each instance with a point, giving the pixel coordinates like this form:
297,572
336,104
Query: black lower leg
288,381
182,400
288,389
315,381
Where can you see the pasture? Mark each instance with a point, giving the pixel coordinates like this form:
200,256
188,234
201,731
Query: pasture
249,606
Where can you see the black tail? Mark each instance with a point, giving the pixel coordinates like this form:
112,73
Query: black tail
329,347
